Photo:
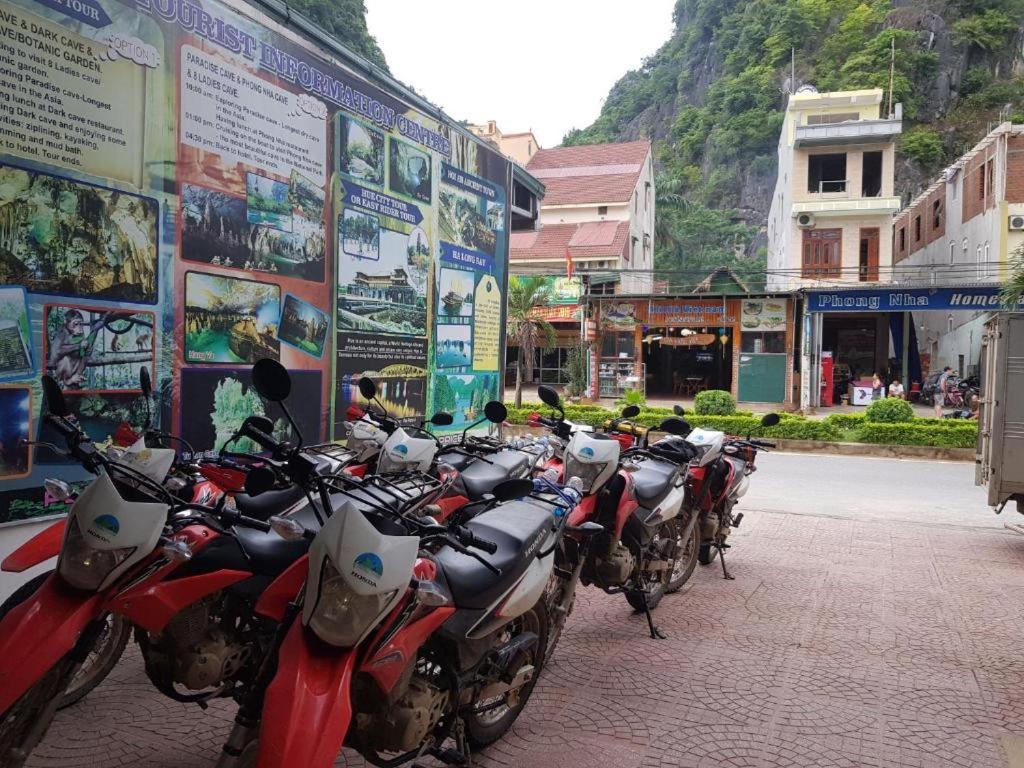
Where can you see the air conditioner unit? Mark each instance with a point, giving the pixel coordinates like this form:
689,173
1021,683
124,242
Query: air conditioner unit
1016,223
805,221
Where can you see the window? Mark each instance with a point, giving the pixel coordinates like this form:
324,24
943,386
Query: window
903,238
949,324
984,268
647,246
838,117
917,229
602,210
826,173
937,214
981,183
647,195
979,261
617,345
632,248
990,177
822,253
606,288
952,251
529,147
871,181
634,201
964,248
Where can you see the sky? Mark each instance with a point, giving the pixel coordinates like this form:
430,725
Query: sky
544,65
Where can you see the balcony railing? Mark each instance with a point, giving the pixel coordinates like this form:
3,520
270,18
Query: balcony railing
831,186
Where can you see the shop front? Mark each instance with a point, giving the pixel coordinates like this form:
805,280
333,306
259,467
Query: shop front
676,348
563,312
851,334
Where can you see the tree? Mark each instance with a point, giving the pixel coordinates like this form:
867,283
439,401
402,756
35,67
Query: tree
1013,288
525,295
346,21
444,396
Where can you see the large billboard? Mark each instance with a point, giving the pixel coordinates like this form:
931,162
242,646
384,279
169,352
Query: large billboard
189,188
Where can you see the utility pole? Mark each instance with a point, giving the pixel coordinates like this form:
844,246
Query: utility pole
892,72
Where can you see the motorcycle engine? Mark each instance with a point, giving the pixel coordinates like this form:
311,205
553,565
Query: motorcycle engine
403,726
615,567
195,650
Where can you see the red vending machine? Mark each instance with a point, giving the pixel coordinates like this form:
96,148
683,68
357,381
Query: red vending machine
827,383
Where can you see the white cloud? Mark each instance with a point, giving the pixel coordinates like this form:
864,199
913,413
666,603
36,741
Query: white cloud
540,64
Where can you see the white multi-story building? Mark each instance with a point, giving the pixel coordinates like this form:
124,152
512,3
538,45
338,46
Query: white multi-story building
831,214
598,208
962,230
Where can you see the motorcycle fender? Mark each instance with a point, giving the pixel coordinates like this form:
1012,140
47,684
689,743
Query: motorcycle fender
151,605
40,548
274,601
36,634
583,511
391,659
448,505
308,706
627,505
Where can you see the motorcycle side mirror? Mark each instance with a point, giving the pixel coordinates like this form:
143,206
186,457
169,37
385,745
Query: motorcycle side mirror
271,380
630,411
507,490
770,420
441,419
55,402
495,412
259,480
549,397
675,426
145,382
367,388
678,410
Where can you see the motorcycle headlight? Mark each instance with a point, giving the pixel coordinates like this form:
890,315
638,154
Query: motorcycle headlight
83,566
341,616
587,473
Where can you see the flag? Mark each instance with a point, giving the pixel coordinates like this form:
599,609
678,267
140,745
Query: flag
568,262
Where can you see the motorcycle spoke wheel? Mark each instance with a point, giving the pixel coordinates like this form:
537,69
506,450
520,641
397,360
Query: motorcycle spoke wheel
22,719
101,660
487,720
686,561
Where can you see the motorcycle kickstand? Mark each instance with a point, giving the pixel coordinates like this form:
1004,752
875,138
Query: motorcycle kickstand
721,555
656,634
459,756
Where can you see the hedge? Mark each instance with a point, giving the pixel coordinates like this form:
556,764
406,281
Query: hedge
917,434
943,433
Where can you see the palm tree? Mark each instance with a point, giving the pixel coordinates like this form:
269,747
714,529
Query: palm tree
525,295
668,201
1013,289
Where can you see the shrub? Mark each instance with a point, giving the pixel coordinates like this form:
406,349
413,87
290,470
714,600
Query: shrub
890,410
631,397
975,79
965,436
714,402
845,420
923,146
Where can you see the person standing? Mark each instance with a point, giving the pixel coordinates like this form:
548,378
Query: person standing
941,387
877,388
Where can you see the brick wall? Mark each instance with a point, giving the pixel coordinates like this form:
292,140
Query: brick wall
1015,170
931,230
977,192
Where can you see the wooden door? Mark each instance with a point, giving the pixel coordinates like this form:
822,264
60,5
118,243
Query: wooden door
869,255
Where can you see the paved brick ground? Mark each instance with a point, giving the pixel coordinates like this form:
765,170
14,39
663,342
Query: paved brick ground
840,643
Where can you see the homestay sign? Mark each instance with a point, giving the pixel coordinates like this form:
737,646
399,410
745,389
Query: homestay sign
896,300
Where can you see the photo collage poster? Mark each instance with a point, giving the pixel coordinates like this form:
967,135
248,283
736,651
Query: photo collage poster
186,200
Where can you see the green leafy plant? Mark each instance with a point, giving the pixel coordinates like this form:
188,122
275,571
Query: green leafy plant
922,145
989,30
576,370
631,397
525,329
714,402
889,410
965,436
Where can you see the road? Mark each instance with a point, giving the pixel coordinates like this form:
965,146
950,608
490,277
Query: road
874,621
881,489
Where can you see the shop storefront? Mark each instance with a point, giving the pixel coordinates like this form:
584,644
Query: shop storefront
563,312
851,334
675,348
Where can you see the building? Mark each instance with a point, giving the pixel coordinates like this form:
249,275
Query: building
961,231
831,214
517,147
599,202
389,286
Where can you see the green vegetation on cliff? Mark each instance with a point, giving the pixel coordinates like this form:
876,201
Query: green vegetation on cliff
712,98
345,20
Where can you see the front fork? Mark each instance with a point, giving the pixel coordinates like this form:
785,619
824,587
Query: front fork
247,720
77,656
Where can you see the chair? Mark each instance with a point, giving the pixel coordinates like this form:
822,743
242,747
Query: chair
915,392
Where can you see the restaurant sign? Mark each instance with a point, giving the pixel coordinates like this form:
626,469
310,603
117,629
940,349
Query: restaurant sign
689,313
901,300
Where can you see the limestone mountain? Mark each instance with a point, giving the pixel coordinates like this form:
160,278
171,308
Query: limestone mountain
712,98
345,20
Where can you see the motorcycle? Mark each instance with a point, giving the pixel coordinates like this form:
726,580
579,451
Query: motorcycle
718,477
405,635
647,545
204,586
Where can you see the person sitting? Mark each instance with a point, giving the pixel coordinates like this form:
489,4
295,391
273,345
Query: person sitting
877,388
896,389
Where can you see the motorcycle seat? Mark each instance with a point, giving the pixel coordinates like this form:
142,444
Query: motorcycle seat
653,480
270,503
519,529
268,553
480,478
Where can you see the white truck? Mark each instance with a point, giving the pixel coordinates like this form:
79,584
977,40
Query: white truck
1000,459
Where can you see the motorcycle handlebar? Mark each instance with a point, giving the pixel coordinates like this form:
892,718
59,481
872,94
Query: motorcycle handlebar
763,444
259,437
470,539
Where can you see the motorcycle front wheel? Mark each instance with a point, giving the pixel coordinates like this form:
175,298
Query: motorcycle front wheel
489,718
104,655
685,563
